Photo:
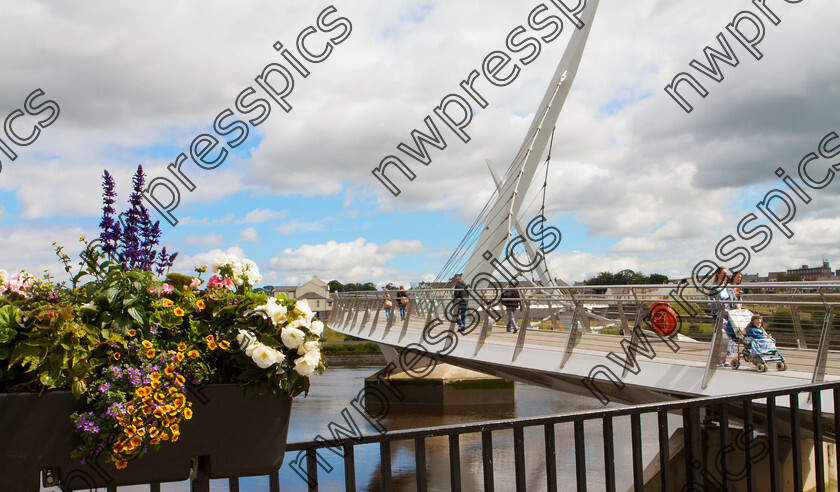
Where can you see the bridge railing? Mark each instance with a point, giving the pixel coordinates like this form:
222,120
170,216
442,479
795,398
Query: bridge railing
799,315
776,413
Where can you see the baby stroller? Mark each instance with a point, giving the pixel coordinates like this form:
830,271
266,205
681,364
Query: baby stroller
759,351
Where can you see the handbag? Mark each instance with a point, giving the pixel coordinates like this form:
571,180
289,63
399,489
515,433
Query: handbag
388,303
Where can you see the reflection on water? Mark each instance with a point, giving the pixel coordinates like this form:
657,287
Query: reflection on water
332,392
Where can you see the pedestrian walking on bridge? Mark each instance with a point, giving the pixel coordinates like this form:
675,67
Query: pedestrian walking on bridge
512,301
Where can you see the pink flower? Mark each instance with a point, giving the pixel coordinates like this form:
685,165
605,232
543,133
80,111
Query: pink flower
153,289
217,282
167,289
195,282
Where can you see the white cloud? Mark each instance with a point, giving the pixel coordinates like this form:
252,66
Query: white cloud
249,234
186,263
204,239
262,215
354,261
295,226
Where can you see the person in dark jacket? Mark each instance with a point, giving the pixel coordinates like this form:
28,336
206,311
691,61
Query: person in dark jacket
402,301
459,300
512,301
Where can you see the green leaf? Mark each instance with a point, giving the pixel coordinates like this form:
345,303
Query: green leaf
8,314
111,294
47,379
136,314
79,387
121,324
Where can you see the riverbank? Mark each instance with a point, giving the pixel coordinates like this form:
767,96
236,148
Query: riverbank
352,353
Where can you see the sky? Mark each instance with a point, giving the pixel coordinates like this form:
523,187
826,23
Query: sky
634,180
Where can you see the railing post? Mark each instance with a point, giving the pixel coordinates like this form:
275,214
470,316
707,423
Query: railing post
715,348
625,327
797,328
574,335
822,351
554,326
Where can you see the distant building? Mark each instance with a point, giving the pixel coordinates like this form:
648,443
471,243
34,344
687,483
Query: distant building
812,274
316,293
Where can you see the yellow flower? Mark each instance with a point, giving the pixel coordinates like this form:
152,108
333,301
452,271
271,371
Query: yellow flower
169,371
193,354
155,376
209,338
155,383
180,380
131,332
200,304
182,346
116,355
224,344
136,441
180,357
167,302
178,312
212,345
150,353
146,344
120,464
187,413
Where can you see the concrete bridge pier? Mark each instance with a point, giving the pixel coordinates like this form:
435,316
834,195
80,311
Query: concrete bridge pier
428,382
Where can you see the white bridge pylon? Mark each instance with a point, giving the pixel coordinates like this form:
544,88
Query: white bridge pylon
513,187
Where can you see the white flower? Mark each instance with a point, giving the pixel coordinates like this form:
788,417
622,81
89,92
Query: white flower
274,310
307,364
317,327
303,307
307,347
251,272
266,356
247,341
88,305
292,337
4,276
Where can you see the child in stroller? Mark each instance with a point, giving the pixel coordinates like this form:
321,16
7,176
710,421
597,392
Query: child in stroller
759,346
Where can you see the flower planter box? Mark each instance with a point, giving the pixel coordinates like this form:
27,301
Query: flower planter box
241,436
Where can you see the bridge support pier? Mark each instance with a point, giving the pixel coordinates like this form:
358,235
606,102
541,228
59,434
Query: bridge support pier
445,386
710,472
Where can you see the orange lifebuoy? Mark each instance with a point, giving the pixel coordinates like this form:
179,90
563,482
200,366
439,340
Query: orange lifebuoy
663,319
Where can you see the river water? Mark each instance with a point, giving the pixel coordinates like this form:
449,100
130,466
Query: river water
332,392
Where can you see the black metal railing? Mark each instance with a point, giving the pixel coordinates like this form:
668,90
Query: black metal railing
764,416
761,419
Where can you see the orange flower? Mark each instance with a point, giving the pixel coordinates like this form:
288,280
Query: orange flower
180,379
182,346
150,353
160,396
209,338
180,357
224,344
155,441
167,303
187,413
155,383
212,345
193,354
172,390
116,355
146,344
200,304
131,332
120,464
178,312
136,441
169,371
